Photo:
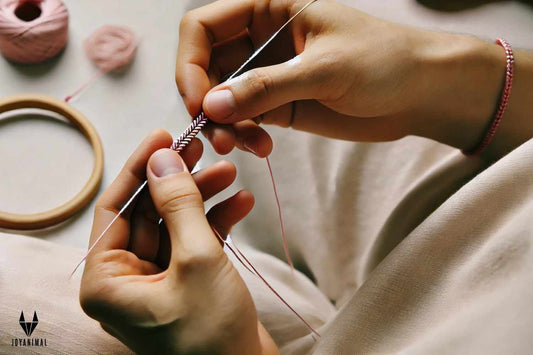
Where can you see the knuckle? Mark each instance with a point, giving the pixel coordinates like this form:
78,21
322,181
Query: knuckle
328,71
189,262
103,205
153,139
179,80
159,132
187,20
326,65
116,256
259,82
180,198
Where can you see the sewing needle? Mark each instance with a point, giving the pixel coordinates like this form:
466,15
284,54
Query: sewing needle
192,130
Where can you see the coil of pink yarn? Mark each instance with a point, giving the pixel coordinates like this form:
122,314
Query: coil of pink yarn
32,31
111,47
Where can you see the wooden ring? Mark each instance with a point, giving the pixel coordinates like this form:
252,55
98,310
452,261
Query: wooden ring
66,210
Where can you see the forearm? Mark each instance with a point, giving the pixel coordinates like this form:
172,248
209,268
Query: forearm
462,83
268,347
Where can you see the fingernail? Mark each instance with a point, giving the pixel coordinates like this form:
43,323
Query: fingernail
249,148
166,162
220,104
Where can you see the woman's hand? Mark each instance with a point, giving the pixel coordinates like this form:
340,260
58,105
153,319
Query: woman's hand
170,288
341,73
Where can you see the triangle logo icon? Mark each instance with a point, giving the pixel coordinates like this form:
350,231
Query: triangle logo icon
28,327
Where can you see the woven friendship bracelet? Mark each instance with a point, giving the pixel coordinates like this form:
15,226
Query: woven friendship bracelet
187,136
504,101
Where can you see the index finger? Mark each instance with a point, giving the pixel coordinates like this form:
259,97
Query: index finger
199,30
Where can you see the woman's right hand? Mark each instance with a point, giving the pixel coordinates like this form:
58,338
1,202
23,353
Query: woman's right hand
342,74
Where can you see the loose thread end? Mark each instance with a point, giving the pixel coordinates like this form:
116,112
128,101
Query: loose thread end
250,267
280,215
126,205
77,267
84,86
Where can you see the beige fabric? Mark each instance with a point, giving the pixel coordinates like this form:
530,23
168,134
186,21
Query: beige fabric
425,258
34,276
440,263
461,282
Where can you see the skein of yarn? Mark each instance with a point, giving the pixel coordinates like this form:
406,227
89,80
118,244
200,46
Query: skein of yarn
32,31
111,47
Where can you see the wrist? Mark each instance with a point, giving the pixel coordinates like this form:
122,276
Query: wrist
242,336
461,79
254,340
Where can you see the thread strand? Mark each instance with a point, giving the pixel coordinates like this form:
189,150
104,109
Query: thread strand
245,261
178,145
280,215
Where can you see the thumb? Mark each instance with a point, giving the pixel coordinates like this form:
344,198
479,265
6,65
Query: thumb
259,90
179,202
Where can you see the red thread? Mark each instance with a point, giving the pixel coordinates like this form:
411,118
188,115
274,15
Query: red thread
504,101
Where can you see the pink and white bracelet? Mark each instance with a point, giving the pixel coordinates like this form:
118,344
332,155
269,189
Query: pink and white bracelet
504,101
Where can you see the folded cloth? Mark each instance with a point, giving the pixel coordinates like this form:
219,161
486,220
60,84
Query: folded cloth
461,281
439,261
34,277
421,249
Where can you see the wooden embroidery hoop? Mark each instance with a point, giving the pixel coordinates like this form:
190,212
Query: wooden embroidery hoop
66,210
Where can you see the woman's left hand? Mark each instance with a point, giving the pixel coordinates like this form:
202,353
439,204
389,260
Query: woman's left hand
170,288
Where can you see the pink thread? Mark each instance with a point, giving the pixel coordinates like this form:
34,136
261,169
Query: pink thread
177,145
32,31
250,267
285,242
111,47
190,132
504,101
83,86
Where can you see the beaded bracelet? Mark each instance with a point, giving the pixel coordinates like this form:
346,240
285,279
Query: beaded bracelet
504,101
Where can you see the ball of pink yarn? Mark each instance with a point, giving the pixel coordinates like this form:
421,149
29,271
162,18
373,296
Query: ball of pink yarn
32,31
111,47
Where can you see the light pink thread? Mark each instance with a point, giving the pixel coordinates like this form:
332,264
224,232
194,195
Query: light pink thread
84,86
285,242
191,131
111,47
250,267
177,145
32,31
